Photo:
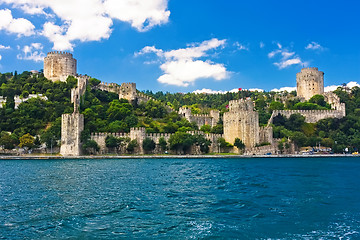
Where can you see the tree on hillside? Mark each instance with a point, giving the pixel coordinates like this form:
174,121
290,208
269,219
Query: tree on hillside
26,141
239,144
181,142
163,144
318,99
132,145
148,145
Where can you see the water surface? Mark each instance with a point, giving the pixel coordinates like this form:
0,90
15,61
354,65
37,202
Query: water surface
272,198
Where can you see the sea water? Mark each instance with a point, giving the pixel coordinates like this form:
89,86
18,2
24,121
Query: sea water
258,198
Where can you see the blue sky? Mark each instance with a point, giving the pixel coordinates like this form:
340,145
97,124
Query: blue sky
183,46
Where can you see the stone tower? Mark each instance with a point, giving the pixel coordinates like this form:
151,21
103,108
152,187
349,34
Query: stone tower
128,91
310,81
73,124
242,122
59,65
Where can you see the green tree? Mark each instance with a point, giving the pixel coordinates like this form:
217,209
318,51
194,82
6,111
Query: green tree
299,139
318,99
274,105
26,141
91,147
205,128
7,141
181,142
148,145
163,144
280,147
132,145
224,145
201,141
239,144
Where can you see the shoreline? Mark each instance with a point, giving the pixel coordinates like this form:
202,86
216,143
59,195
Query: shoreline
41,157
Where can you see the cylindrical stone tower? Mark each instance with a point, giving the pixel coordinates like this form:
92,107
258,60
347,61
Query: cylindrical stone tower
310,81
59,65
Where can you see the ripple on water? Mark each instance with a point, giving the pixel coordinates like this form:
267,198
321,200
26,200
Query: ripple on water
180,199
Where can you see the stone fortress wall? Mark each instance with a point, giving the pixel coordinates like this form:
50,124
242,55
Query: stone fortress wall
59,65
139,134
125,90
311,116
309,82
200,119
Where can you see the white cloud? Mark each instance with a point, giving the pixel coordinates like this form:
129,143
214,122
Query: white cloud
286,58
32,52
262,45
2,47
326,89
210,91
256,90
314,46
282,89
91,20
141,14
348,85
183,67
241,46
19,26
0,57
286,63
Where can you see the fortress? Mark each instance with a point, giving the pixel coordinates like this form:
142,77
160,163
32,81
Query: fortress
241,121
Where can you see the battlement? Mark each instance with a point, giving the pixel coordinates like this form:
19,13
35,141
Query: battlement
310,69
137,129
158,135
311,116
82,76
59,53
130,84
241,105
59,65
309,82
105,134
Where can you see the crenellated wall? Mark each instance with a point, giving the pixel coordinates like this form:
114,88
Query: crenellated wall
200,119
311,116
59,65
140,134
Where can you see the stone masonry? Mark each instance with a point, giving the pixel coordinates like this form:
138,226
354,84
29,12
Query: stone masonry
242,122
310,81
73,124
59,65
139,134
200,119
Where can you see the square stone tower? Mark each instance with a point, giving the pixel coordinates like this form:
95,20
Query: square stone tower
128,91
310,81
242,122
